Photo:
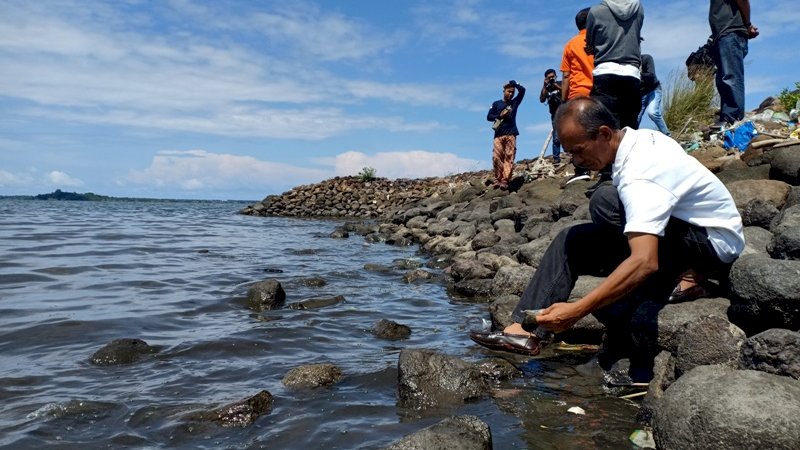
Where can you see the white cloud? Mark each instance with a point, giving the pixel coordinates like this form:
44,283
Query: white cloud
199,169
8,179
58,178
407,164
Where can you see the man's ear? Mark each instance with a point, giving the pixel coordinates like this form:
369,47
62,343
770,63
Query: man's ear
605,131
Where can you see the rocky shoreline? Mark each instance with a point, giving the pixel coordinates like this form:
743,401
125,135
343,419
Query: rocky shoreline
722,362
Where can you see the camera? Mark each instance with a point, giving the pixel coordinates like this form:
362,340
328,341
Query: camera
551,82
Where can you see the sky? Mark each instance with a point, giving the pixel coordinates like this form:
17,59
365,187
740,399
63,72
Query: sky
192,99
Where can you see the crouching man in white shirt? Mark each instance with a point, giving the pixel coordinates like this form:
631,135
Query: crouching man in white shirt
662,214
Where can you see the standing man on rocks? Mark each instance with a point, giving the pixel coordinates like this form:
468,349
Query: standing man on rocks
651,95
730,30
551,93
664,212
576,70
503,115
613,33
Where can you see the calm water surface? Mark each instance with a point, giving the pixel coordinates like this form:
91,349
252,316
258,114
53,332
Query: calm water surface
76,275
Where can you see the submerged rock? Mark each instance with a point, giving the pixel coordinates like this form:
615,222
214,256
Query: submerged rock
427,378
458,432
245,412
312,376
317,302
265,295
122,351
387,329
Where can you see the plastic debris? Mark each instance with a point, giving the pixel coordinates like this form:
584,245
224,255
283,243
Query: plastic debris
739,136
643,439
577,410
795,134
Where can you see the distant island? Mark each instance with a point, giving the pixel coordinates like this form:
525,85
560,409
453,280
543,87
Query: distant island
58,194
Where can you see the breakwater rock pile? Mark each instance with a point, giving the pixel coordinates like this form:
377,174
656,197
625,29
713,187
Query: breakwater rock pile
727,370
356,197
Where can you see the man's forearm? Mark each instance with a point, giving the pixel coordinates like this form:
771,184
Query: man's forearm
565,87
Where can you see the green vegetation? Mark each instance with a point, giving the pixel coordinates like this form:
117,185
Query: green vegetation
789,98
689,105
58,194
367,174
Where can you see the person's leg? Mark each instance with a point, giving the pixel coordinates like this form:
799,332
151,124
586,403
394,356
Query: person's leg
509,150
592,248
630,102
654,112
729,54
556,143
497,158
646,99
604,90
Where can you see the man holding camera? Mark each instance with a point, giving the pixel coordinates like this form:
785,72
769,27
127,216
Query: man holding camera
503,115
551,93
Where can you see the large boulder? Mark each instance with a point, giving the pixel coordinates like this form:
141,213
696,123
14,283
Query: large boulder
659,325
512,279
786,240
765,293
772,191
721,408
427,378
758,213
775,351
532,252
265,295
708,340
756,240
785,164
458,432
469,269
760,172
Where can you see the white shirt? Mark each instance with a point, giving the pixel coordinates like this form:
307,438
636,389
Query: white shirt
657,180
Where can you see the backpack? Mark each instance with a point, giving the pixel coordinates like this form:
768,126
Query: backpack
700,60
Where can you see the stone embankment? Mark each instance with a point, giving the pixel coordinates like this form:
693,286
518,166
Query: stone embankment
354,197
727,372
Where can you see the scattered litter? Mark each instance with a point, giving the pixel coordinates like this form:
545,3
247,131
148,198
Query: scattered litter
635,395
486,325
795,134
564,347
739,136
577,410
643,438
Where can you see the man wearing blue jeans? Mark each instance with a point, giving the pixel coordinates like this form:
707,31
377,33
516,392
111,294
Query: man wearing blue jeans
651,94
663,213
730,30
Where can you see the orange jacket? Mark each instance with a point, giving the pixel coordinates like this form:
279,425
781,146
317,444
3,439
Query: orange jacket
578,65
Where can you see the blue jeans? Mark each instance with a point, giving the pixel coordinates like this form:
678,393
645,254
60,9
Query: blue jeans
651,103
556,142
729,53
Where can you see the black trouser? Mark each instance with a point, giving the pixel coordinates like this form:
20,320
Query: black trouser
597,248
620,94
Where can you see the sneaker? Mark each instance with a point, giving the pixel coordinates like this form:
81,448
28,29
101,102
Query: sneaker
720,125
577,177
556,160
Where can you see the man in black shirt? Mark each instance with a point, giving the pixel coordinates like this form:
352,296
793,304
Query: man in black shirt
551,93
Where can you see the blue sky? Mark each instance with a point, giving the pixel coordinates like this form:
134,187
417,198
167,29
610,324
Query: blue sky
240,99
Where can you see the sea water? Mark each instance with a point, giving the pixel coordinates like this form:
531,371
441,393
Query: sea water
74,276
